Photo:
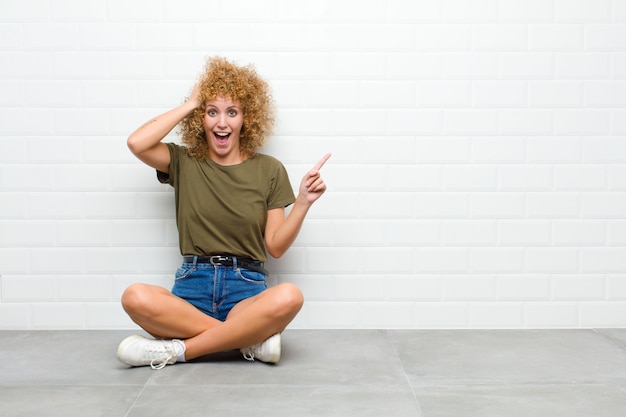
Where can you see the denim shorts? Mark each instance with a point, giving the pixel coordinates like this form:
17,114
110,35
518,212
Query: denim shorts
216,289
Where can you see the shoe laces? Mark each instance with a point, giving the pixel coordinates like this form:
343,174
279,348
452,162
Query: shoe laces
249,352
166,354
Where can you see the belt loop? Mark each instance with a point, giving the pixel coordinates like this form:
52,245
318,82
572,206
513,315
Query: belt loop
234,263
195,261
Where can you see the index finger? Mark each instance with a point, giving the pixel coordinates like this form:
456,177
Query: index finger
321,162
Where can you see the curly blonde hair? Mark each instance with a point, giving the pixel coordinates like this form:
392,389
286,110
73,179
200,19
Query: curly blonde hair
222,78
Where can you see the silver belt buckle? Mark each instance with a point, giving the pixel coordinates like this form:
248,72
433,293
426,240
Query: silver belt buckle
216,260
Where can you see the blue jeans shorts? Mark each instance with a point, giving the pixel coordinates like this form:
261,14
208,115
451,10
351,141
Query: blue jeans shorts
216,289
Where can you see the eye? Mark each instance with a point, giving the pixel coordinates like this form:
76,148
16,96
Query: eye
232,113
211,112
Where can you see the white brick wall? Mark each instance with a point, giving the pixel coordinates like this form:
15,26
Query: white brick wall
478,177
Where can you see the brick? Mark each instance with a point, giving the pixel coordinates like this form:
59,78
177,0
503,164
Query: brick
499,149
421,287
578,287
476,11
604,149
582,65
555,94
443,149
581,177
362,287
472,66
499,93
553,205
442,315
603,260
414,66
582,122
496,205
555,149
605,37
552,315
468,287
530,122
470,122
552,260
71,10
404,177
528,11
441,205
442,93
53,93
497,260
19,289
603,205
139,10
527,65
397,315
470,178
58,316
336,94
496,315
442,260
412,11
580,232
556,37
469,232
617,177
582,10
528,287
411,233
51,36
443,37
524,233
497,37
526,178
36,10
602,314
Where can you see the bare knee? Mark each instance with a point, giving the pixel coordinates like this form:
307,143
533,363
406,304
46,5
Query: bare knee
137,299
289,300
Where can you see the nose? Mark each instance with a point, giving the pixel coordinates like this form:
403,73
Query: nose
221,121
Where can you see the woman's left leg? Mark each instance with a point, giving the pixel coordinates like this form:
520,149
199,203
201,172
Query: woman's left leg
251,321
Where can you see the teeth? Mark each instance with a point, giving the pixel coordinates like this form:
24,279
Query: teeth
222,134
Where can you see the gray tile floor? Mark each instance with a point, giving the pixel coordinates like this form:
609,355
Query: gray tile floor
397,373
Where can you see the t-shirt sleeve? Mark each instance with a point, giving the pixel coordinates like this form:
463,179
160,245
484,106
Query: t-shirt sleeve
281,193
170,178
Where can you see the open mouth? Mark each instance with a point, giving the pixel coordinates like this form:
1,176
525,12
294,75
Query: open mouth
222,137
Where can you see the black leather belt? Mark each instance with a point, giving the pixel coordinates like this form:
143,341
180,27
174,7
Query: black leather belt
227,260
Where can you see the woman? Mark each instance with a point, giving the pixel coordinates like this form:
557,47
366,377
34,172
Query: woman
230,208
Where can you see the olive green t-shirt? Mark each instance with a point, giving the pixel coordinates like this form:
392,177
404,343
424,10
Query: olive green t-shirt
223,209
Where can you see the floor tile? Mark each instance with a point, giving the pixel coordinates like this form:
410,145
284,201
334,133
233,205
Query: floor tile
616,335
508,356
523,401
64,401
276,401
64,358
363,357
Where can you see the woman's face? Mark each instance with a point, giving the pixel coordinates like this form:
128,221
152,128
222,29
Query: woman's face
223,120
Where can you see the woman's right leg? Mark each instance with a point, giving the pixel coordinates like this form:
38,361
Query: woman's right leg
164,315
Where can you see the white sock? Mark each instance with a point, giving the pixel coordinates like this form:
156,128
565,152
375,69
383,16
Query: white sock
180,350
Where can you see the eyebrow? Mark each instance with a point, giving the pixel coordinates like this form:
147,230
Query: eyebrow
234,106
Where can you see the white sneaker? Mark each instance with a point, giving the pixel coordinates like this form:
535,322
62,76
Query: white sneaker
268,351
140,351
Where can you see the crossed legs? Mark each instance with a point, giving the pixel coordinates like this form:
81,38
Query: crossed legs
251,321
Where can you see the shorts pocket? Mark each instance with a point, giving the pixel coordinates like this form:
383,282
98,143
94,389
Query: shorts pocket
183,273
251,276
